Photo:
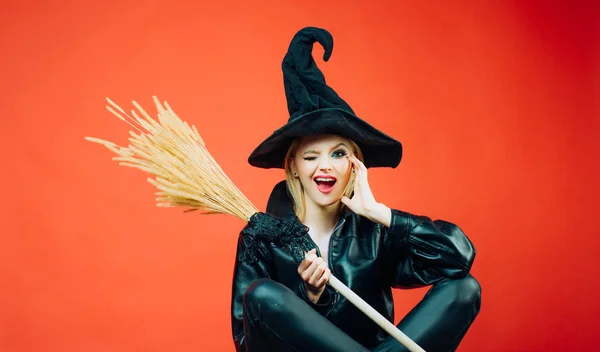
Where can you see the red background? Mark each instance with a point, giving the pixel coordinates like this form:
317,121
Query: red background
496,104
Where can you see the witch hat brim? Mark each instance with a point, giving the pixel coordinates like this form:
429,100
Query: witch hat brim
316,109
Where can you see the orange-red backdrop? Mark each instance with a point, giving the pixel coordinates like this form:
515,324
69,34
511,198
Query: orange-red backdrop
494,102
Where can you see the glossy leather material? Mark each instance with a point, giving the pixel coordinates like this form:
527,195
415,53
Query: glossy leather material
371,260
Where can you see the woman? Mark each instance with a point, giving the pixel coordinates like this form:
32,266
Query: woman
326,211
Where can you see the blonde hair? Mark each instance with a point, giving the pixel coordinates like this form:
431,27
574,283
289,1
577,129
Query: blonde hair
295,186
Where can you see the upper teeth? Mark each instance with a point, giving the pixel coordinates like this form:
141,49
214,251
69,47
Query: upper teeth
324,179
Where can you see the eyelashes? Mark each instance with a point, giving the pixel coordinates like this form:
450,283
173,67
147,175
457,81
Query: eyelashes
340,153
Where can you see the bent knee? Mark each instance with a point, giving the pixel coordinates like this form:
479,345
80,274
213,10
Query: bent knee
259,290
263,292
468,292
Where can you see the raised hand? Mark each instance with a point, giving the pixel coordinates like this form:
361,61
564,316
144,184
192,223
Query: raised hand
363,202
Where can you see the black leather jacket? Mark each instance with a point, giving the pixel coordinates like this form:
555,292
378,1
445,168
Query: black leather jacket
367,257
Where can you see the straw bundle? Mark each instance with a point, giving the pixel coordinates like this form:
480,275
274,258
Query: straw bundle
187,176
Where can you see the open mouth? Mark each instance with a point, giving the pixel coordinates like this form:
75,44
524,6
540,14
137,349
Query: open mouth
325,184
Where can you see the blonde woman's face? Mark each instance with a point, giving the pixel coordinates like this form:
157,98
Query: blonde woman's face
321,164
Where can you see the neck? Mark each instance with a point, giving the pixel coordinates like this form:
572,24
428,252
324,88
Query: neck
321,220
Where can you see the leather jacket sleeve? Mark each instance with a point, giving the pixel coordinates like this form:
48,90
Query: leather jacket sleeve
245,272
419,252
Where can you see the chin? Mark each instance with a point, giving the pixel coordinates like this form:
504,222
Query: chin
328,204
326,200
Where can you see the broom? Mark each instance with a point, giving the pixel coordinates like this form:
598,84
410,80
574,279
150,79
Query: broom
187,176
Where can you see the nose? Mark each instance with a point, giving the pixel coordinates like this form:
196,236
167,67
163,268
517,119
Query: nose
325,163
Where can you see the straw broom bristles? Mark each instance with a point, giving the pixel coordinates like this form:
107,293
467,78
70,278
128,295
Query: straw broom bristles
186,174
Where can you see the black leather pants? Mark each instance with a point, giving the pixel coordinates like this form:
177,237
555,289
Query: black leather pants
275,319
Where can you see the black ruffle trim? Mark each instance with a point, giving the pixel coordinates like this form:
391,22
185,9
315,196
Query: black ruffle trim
288,234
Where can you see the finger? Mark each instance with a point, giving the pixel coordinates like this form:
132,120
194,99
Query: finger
359,169
357,181
308,260
324,278
359,163
363,180
303,266
316,276
361,173
308,273
312,251
352,161
312,268
348,202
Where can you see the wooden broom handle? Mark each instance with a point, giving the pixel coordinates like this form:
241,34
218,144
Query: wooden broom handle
374,315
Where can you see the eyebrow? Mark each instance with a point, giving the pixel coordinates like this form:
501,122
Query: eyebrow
312,151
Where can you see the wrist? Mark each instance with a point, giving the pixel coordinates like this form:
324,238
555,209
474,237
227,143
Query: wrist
313,296
380,213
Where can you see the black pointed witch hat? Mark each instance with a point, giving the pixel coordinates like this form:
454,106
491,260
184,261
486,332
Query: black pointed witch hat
315,108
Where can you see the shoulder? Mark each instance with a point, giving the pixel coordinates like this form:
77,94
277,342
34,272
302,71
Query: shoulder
280,203
360,226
